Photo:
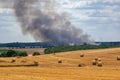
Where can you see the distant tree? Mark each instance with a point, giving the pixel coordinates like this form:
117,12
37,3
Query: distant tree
73,48
11,53
84,43
22,54
3,54
36,54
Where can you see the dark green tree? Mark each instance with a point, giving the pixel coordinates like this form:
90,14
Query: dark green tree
36,54
22,54
11,53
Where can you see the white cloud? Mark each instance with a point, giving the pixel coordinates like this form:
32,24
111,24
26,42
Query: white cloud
74,4
6,10
95,15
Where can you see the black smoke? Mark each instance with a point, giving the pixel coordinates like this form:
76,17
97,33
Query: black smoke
40,19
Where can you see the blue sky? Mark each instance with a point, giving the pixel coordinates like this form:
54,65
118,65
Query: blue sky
98,18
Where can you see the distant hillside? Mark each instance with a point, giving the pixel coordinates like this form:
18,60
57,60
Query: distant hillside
45,44
109,43
27,45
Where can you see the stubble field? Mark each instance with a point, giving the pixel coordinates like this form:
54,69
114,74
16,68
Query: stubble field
50,69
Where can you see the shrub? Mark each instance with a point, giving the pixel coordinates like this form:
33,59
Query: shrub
4,54
11,53
36,54
22,54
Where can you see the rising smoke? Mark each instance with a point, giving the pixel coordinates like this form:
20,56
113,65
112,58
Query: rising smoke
40,19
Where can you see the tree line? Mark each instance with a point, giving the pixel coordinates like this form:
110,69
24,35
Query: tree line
14,53
73,48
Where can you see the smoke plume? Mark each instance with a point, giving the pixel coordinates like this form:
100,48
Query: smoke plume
40,19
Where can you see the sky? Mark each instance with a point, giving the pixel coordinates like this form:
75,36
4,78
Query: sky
98,18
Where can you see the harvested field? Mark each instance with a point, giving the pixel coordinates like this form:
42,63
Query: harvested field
50,69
